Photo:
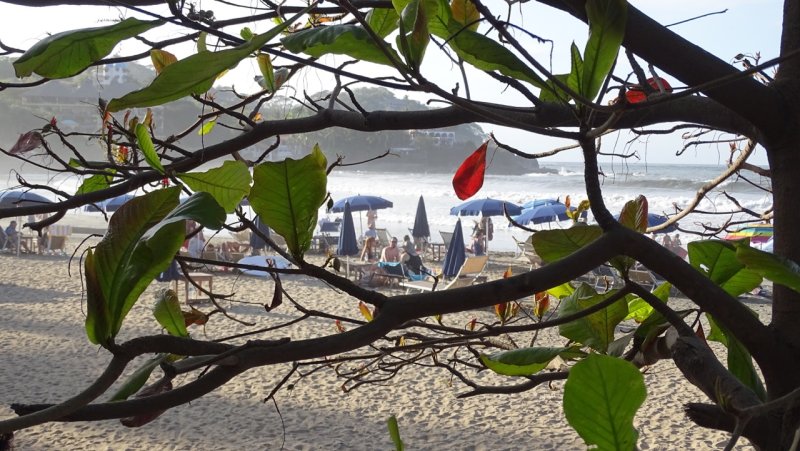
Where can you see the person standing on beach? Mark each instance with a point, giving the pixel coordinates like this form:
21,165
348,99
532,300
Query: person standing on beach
372,217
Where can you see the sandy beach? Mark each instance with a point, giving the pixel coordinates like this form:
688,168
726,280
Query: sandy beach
47,358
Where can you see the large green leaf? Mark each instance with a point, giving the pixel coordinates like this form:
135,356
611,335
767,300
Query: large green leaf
607,20
229,184
383,21
196,73
775,268
413,38
634,214
394,433
142,239
526,361
137,380
98,318
168,313
147,148
287,195
601,397
125,263
740,363
561,291
554,93
596,330
554,245
66,54
717,259
344,39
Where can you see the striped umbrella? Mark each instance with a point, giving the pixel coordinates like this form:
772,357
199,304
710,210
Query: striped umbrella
758,233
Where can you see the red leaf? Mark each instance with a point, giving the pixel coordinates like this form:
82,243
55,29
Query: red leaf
469,176
142,419
636,94
27,142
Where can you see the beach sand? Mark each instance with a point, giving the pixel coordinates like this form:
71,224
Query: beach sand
47,358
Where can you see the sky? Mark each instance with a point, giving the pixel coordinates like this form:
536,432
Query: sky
748,26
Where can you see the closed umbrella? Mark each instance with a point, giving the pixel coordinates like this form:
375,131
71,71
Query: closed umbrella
348,244
456,254
421,229
257,243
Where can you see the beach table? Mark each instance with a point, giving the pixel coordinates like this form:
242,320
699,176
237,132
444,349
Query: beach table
200,278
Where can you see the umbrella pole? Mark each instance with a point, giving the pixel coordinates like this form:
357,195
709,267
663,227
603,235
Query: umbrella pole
19,228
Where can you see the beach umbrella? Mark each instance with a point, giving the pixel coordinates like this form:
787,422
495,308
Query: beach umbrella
348,244
485,207
758,233
13,199
542,213
115,203
654,220
18,198
361,203
540,202
421,228
256,242
456,254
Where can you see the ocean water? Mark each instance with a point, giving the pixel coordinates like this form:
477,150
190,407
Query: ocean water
665,186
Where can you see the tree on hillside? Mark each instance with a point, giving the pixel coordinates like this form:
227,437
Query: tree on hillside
752,394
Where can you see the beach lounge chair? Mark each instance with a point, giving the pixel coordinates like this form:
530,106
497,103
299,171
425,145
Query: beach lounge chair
606,278
643,277
57,238
528,254
470,272
384,237
446,238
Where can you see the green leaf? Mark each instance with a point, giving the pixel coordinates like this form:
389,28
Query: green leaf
96,182
125,262
168,313
607,20
740,363
639,310
98,318
66,54
413,38
246,33
383,21
488,55
206,128
287,195
718,260
137,380
200,207
554,93
229,184
147,148
562,291
554,245
601,397
267,71
526,361
775,268
196,73
345,39
394,433
596,330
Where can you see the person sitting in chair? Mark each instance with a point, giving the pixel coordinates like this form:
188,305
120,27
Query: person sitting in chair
391,253
12,237
410,258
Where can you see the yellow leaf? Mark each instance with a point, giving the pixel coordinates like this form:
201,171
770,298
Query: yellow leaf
508,273
365,311
464,12
161,59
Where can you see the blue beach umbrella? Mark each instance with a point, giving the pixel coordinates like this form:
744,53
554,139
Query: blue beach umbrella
540,202
115,203
542,213
361,203
348,244
421,228
456,254
485,207
13,199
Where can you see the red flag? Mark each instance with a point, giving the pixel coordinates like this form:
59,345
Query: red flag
469,176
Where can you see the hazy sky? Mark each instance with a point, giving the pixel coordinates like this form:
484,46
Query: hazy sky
748,26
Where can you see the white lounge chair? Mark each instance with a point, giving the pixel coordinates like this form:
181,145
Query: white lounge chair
468,274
